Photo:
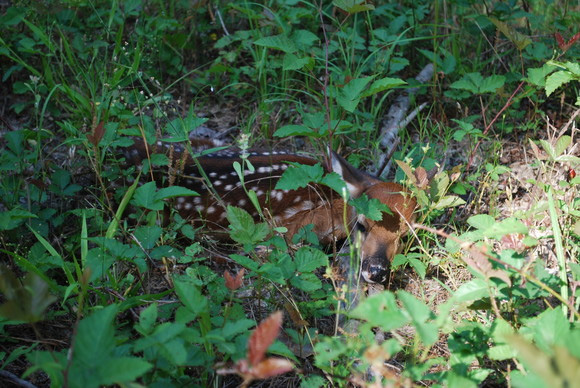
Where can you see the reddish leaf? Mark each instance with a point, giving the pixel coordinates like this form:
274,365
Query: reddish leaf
560,40
97,135
263,336
272,366
233,283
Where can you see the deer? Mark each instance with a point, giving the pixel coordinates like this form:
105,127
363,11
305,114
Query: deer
212,176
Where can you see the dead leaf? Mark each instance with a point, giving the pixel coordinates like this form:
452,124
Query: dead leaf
263,336
233,283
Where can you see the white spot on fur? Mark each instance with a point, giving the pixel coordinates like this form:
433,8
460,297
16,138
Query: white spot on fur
297,199
212,174
224,176
197,200
307,205
188,206
180,199
228,187
264,169
199,208
210,210
217,183
259,193
242,202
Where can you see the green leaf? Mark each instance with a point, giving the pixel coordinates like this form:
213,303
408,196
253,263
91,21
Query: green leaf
501,350
420,314
243,229
370,208
557,79
174,191
537,76
145,197
383,84
292,62
381,310
190,296
25,300
448,201
491,84
148,235
507,226
308,259
351,93
307,282
278,42
295,130
121,370
335,182
353,6
13,218
299,176
481,221
472,290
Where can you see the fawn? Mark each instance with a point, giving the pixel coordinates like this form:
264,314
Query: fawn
293,209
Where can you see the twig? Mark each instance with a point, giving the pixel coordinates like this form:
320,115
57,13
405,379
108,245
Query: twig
15,379
219,15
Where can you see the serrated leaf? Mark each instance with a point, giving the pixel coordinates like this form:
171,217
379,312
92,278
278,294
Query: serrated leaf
537,76
481,221
174,191
292,62
472,290
335,182
295,130
518,39
350,95
491,84
557,79
278,42
243,229
299,176
370,208
190,296
145,196
448,201
381,310
307,282
353,6
308,259
121,370
383,84
561,144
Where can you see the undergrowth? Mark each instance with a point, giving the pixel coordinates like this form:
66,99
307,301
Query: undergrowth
103,283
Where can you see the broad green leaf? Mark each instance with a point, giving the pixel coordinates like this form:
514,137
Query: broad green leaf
507,226
561,144
308,259
351,93
13,218
121,370
353,6
190,296
383,84
292,62
148,235
381,310
299,176
448,201
25,300
174,191
537,76
481,221
472,290
557,79
501,350
491,84
295,130
243,229
278,42
370,208
145,196
307,282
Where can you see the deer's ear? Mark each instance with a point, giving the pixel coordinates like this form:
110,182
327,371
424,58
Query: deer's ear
357,182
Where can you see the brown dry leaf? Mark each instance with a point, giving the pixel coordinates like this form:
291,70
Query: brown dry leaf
263,336
422,179
479,262
233,283
97,135
271,366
